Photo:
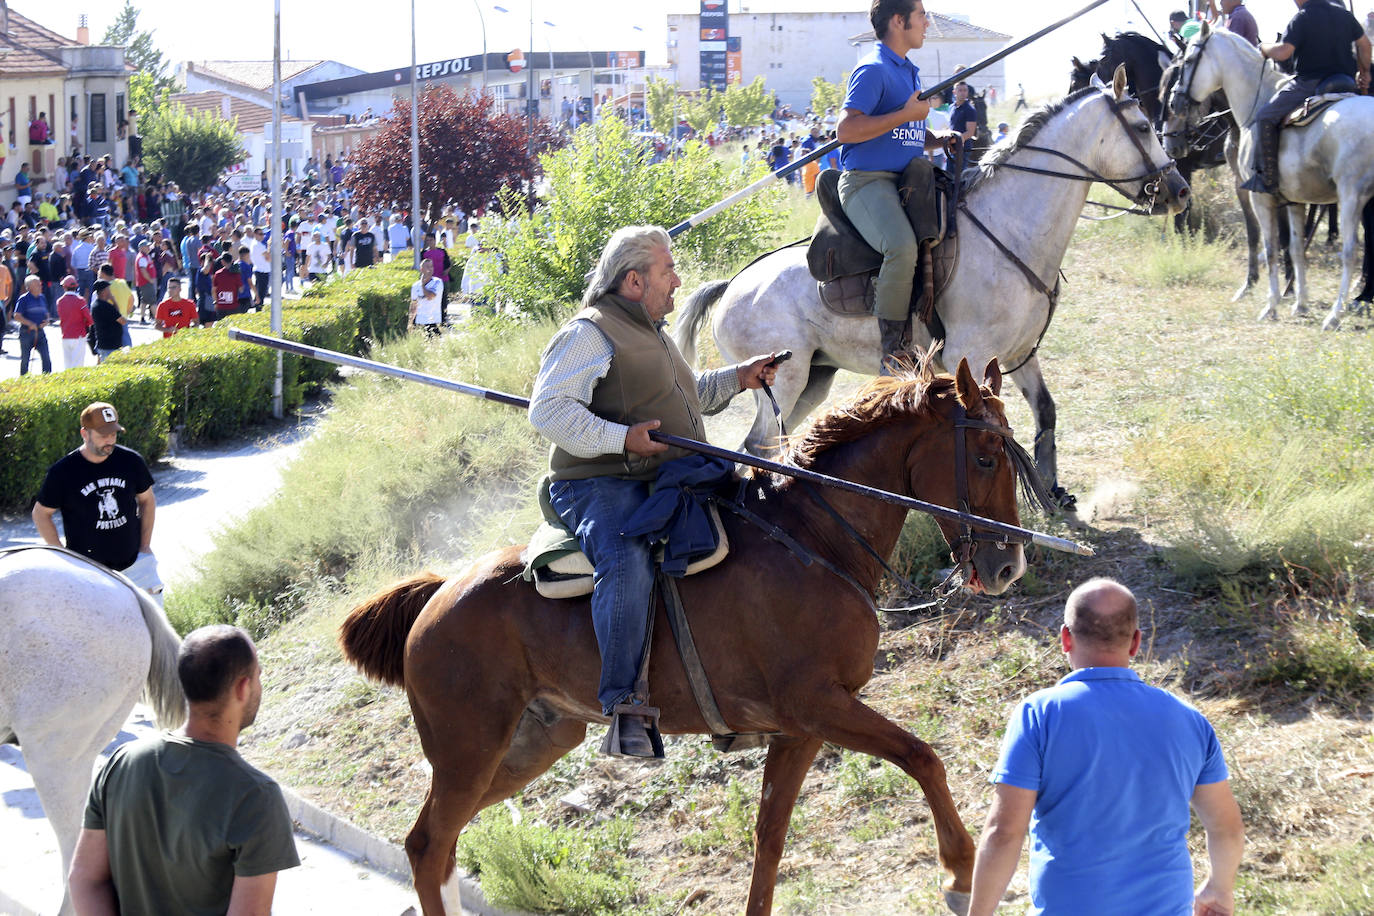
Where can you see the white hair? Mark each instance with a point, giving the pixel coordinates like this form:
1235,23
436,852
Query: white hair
631,248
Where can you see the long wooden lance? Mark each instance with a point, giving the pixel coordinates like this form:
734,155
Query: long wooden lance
1012,532
825,148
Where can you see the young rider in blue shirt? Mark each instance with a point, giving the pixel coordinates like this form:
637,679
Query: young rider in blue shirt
882,129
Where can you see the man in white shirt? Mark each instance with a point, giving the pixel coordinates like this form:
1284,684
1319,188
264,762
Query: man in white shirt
317,257
425,295
261,258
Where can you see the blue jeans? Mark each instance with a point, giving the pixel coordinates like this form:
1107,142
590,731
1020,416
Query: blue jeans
29,340
595,510
85,279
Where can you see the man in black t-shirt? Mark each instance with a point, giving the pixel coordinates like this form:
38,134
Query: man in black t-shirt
364,245
1324,40
105,494
109,323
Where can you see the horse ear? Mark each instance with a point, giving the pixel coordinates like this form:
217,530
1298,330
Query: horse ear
1206,28
1096,82
969,393
1119,81
992,376
1078,64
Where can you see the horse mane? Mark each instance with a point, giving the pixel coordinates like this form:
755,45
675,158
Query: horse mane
887,399
1026,131
1134,37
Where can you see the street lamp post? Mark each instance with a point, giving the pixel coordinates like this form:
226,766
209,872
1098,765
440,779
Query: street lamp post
483,21
416,228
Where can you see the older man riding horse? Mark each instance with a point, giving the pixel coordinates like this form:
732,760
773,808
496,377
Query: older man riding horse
502,681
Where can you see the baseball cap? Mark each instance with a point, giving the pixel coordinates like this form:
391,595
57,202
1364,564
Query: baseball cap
101,284
102,418
69,282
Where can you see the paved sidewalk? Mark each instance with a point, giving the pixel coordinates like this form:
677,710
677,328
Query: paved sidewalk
327,882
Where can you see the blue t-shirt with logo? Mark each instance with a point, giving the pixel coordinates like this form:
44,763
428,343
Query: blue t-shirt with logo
1114,763
881,84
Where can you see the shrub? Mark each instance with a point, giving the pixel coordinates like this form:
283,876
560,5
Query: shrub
329,325
604,180
218,385
39,419
549,869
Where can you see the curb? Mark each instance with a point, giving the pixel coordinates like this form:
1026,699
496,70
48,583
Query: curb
363,846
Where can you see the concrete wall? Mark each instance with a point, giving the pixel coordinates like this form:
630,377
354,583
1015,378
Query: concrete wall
789,49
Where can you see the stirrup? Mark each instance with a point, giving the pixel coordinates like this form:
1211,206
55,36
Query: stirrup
611,743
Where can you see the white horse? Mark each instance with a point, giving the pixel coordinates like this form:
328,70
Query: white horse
999,300
77,645
1328,161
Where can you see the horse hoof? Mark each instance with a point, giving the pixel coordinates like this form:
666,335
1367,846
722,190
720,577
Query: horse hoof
1063,499
1300,311
1332,323
1241,293
957,901
1267,314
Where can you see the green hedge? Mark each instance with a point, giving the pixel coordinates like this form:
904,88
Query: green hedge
219,386
332,327
381,291
40,418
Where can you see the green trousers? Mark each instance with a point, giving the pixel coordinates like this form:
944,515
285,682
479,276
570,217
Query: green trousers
870,201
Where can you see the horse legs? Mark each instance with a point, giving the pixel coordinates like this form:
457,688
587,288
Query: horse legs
793,379
834,715
1032,385
1267,212
1350,213
467,779
783,775
813,395
1247,212
1297,249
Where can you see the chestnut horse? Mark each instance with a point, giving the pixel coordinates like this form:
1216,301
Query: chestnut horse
502,682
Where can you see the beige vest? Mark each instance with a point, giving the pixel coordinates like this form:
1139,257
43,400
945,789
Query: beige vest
648,380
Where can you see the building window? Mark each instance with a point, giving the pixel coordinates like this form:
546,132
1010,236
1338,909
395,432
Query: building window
95,120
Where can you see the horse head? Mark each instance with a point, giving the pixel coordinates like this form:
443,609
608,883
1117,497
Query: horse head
1081,74
1134,150
1199,76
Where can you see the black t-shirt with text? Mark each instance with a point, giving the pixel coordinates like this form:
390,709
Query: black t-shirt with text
1323,35
364,249
98,504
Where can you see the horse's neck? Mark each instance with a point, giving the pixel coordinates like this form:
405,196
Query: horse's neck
1246,85
1035,215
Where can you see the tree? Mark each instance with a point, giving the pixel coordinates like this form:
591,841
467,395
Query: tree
825,94
468,152
702,111
190,148
605,180
747,106
660,97
140,51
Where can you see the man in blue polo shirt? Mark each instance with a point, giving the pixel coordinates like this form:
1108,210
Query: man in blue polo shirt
882,129
1102,768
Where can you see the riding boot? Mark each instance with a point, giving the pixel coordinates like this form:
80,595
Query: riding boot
1266,177
896,337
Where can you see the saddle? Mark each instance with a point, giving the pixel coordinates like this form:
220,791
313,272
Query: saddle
845,266
559,569
1308,111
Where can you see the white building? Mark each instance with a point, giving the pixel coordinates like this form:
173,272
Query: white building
251,80
789,49
254,123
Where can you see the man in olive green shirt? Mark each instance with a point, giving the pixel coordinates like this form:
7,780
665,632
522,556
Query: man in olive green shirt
179,822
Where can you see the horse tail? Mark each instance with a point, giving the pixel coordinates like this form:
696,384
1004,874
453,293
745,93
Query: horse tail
162,689
693,314
373,636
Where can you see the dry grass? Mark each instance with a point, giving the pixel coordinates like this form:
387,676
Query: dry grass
1126,355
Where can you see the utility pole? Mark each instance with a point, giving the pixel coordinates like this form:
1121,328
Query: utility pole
416,227
277,223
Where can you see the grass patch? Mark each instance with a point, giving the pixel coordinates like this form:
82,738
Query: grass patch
539,868
396,470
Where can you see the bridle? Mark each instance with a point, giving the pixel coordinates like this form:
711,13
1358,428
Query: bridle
1182,102
1151,177
962,548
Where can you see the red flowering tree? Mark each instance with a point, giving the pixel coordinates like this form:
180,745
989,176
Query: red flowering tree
467,152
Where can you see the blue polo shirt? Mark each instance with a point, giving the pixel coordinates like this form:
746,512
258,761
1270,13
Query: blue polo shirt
879,85
1113,762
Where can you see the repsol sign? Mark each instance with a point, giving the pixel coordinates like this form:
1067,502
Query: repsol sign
444,68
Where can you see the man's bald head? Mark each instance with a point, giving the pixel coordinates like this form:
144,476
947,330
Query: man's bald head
1102,614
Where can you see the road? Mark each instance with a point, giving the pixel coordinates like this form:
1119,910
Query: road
198,491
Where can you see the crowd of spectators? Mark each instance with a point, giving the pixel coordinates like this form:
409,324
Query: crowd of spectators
167,259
